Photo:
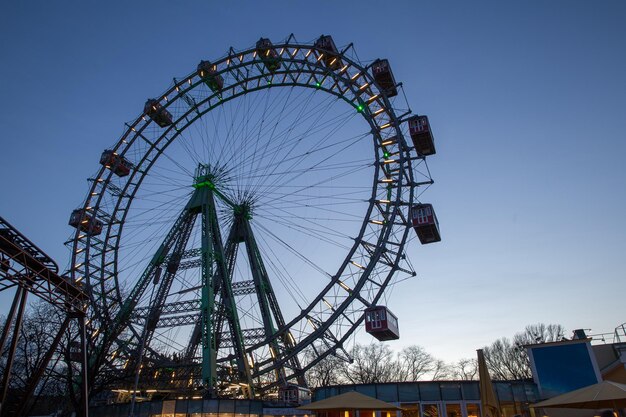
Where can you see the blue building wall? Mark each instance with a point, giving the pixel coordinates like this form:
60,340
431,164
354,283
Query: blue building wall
444,398
507,391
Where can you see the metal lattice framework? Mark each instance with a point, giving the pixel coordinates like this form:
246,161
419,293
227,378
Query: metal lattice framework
27,269
255,345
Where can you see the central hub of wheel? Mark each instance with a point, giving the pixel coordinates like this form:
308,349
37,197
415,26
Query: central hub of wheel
208,176
214,178
244,210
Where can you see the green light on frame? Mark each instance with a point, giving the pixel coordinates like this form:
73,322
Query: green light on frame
359,108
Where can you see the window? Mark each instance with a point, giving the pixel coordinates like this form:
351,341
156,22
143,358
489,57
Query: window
473,410
410,410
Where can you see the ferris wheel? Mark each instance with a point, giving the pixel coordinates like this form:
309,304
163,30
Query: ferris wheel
249,216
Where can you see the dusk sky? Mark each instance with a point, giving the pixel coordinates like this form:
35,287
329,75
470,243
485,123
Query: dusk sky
527,101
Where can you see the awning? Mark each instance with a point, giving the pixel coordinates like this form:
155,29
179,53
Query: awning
605,394
350,401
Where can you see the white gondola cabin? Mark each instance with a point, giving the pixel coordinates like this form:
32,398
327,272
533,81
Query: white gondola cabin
326,48
421,134
381,323
425,223
266,52
157,113
381,71
116,163
208,73
85,222
294,394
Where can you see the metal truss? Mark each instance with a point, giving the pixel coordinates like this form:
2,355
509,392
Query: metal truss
28,269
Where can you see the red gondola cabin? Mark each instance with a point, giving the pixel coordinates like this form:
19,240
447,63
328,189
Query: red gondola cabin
85,222
381,323
326,46
265,50
116,163
422,136
425,223
381,71
157,113
208,73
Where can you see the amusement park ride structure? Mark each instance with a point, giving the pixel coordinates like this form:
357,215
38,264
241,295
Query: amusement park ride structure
172,308
27,269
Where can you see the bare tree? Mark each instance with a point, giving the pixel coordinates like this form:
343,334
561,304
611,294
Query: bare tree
372,363
326,372
377,363
440,371
40,325
539,333
465,369
507,359
415,363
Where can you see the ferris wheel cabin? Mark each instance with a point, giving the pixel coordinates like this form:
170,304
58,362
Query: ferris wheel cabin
116,163
85,222
265,50
157,113
381,71
328,51
425,223
208,73
294,394
422,136
381,323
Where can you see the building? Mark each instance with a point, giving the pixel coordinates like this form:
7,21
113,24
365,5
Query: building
444,398
557,367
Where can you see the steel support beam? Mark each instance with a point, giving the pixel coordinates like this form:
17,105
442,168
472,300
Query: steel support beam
187,306
262,285
10,317
125,312
21,295
267,300
84,364
215,270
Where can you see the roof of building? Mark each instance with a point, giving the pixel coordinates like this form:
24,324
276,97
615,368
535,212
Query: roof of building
350,401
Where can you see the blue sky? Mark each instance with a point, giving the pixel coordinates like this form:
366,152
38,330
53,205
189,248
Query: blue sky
527,102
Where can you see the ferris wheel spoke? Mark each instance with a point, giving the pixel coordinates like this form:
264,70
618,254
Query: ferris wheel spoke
277,140
293,175
295,252
297,141
316,209
298,160
283,138
257,158
311,229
